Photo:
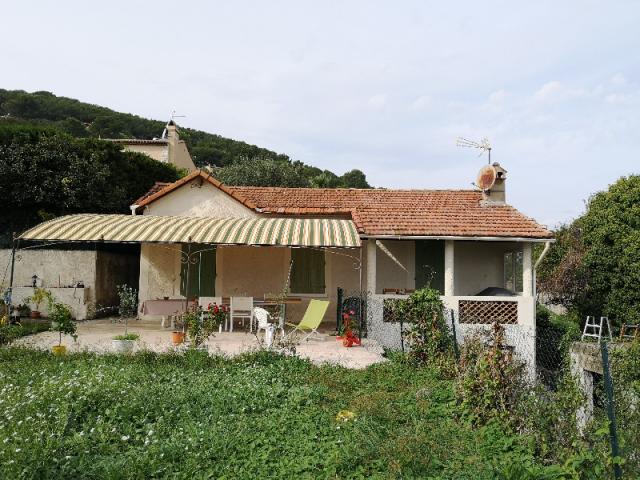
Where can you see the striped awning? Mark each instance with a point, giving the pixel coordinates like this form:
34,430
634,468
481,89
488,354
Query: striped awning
307,232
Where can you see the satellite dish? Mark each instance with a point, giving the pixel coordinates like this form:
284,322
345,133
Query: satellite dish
486,177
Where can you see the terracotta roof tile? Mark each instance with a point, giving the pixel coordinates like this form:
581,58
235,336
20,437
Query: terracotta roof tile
383,212
401,212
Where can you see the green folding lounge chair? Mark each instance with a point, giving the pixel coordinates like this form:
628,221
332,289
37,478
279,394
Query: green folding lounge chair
311,320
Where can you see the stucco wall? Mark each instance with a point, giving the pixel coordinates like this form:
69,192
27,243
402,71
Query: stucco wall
55,269
478,265
247,271
388,273
157,152
198,201
179,155
159,271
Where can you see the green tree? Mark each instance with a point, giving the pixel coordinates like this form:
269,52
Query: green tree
595,264
45,174
354,179
263,172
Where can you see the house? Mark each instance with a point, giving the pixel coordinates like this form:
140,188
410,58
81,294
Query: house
167,149
199,237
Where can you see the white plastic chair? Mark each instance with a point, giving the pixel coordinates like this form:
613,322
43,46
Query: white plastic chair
242,308
261,317
204,303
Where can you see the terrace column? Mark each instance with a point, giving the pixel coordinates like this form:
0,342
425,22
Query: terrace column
371,265
527,270
448,268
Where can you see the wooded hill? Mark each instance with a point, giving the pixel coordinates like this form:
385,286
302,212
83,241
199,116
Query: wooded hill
84,120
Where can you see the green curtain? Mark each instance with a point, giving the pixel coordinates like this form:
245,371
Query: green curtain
202,272
307,274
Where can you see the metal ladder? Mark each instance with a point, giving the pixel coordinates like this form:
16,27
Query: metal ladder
593,329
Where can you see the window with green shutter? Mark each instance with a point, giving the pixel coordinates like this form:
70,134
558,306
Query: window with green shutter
202,271
307,273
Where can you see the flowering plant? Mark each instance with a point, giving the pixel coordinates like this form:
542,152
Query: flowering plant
348,337
217,313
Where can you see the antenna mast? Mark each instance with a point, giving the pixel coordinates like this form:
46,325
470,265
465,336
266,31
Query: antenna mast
482,145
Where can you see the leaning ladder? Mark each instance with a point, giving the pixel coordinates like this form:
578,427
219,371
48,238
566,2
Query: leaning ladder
593,329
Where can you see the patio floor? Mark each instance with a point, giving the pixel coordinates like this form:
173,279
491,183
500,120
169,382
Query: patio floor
95,336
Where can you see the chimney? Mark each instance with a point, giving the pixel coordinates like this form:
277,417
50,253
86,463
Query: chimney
497,193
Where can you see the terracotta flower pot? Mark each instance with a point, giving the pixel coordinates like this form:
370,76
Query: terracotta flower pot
34,314
177,338
59,350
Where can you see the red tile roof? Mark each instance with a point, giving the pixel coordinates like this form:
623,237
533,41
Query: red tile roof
378,212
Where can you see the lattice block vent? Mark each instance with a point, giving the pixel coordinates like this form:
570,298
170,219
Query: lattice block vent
487,312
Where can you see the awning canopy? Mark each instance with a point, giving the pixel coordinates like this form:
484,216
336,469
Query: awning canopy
295,232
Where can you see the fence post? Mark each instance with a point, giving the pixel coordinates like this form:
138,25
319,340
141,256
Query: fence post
455,338
608,386
339,310
401,333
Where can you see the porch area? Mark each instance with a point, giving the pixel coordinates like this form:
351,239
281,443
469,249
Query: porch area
95,336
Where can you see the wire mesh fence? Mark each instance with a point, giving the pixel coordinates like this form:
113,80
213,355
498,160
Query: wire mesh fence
583,397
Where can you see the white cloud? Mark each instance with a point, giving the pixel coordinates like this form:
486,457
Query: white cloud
421,103
377,101
618,80
547,90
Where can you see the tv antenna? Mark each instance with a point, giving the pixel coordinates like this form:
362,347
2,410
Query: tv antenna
173,115
482,145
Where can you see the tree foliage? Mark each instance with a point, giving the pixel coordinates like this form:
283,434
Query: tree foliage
594,267
45,174
43,109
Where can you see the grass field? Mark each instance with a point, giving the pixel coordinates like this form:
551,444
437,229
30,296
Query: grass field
257,416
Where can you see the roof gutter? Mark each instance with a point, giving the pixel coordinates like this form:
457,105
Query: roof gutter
458,237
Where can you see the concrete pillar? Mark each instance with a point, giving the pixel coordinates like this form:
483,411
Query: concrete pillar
449,268
527,270
371,265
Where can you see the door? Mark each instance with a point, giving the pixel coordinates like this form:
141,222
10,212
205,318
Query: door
201,271
430,264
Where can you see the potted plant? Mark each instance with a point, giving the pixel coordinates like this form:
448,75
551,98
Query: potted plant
202,323
39,295
128,308
62,322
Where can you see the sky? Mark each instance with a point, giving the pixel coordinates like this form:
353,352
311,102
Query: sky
383,86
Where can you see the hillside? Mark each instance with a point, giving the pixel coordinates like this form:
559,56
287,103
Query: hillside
80,119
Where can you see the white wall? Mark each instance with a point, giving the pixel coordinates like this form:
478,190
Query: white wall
55,269
197,200
478,265
388,273
159,271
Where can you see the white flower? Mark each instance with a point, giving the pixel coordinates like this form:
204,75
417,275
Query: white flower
18,450
124,438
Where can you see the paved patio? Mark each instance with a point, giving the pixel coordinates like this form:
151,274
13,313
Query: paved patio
95,336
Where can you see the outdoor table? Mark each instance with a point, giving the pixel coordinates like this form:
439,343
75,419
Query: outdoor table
165,308
271,302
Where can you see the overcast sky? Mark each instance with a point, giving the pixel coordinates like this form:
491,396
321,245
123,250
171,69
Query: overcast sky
385,87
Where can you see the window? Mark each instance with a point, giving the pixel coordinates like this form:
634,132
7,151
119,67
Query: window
202,271
513,271
307,273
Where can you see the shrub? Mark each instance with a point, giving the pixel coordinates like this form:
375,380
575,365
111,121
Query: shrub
9,333
491,381
427,336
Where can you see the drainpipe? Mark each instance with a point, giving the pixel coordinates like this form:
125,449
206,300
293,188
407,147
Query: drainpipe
547,245
133,209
